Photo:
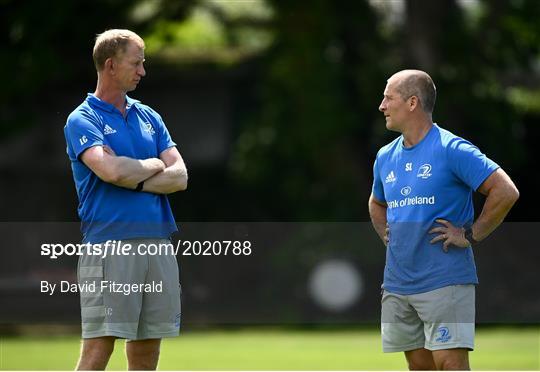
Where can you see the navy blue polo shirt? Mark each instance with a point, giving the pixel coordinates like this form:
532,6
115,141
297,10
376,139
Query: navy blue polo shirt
110,212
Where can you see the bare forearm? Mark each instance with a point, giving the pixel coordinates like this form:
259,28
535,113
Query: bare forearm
171,179
497,205
377,213
129,172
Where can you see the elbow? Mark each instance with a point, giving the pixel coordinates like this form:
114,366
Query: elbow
115,176
511,192
509,196
514,195
182,181
180,184
183,186
111,177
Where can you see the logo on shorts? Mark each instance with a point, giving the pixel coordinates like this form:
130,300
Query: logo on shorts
177,320
444,334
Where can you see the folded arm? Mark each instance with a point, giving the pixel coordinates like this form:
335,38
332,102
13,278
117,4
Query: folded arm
120,170
171,179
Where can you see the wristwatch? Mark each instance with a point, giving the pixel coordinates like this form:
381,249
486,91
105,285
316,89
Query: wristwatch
139,186
469,236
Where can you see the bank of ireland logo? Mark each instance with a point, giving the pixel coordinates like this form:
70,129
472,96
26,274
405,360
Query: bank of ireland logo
424,172
444,334
406,190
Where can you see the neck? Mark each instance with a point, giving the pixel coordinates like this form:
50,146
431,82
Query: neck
109,93
417,132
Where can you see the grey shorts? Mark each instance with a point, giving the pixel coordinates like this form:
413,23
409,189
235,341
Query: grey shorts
436,320
133,296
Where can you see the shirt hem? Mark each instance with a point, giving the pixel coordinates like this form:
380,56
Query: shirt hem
405,291
98,240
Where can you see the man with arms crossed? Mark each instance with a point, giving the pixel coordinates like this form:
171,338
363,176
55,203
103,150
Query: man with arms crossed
124,163
421,207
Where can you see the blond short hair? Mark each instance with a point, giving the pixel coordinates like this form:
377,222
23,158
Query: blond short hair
112,42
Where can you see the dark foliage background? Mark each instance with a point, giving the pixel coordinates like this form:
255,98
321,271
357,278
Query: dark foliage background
277,120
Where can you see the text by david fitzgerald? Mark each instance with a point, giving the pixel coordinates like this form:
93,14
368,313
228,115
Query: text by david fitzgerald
97,287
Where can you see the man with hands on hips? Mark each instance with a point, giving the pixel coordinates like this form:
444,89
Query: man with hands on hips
421,207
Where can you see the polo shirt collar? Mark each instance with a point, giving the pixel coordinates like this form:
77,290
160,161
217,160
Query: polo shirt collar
130,102
94,101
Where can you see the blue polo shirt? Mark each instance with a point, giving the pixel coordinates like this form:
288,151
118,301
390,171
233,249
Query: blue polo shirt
110,212
431,180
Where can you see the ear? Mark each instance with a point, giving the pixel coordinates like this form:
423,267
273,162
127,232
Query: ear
109,65
413,103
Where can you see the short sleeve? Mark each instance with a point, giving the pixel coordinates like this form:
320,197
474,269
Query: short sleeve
164,139
81,133
469,164
377,188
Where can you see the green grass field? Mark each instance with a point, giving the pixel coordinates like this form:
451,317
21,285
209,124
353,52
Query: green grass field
256,349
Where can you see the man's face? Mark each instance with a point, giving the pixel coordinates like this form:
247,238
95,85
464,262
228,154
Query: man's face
129,67
394,107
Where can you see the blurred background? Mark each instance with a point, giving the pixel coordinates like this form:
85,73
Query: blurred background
274,107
